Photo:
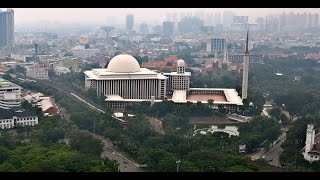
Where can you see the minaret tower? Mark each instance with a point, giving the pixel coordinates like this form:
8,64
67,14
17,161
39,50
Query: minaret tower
245,70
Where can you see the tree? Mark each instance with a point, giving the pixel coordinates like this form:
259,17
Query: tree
210,103
275,112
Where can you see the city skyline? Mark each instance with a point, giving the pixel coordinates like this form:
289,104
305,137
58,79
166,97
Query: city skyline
118,15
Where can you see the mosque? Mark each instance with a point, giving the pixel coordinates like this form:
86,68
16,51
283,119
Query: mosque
123,82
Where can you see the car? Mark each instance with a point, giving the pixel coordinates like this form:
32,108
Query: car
126,162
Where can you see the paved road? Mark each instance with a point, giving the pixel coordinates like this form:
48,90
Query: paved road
125,164
273,154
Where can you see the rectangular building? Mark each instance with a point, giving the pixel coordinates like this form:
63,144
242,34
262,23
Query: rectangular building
6,27
10,118
37,71
238,58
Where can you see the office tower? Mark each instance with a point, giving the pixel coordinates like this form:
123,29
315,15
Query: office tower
144,28
167,28
218,45
240,19
129,22
227,19
169,17
217,18
245,70
6,27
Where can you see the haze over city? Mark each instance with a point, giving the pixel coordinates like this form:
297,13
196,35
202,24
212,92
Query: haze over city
159,90
94,15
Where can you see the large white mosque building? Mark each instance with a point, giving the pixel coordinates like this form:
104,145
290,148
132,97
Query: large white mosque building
124,82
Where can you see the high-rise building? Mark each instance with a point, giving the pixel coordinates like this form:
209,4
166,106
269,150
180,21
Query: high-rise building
157,29
6,27
129,22
227,19
144,28
209,20
245,70
240,19
218,45
169,17
261,23
217,19
167,28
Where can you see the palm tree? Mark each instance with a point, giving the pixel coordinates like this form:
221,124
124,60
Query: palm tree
210,102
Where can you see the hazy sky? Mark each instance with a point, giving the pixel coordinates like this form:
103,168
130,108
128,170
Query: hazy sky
27,15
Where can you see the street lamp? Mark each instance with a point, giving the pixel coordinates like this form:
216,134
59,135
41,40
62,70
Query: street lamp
178,162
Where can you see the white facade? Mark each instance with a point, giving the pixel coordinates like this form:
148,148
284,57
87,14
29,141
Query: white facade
61,70
124,81
311,151
10,94
179,80
245,71
10,119
37,72
245,76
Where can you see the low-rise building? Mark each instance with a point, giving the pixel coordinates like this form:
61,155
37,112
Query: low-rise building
10,118
61,70
37,71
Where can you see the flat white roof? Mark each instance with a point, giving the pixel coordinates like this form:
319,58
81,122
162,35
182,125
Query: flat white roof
144,73
177,74
114,97
232,97
179,96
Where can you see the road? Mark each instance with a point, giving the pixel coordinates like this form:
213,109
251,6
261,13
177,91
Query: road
273,154
125,164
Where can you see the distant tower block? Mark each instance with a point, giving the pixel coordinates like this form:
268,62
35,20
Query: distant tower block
209,43
245,70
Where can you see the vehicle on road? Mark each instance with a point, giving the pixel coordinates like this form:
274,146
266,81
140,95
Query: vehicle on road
126,162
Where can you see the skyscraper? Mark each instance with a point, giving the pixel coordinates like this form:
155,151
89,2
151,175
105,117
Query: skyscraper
245,70
167,28
129,22
6,27
227,18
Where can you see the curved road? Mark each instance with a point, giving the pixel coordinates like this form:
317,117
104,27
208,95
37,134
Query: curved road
125,164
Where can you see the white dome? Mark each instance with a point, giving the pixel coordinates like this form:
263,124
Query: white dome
181,63
123,63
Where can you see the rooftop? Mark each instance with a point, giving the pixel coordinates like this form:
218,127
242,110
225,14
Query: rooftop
5,84
9,113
